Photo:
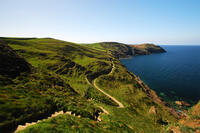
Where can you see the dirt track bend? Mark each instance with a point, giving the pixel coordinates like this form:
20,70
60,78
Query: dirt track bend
108,95
114,99
21,127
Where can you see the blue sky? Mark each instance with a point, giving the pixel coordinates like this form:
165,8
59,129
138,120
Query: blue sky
88,21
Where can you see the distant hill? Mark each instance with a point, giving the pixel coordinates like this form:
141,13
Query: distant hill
121,50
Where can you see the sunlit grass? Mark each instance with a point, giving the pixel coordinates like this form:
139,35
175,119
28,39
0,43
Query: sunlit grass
58,82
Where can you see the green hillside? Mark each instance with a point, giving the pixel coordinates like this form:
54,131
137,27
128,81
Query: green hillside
40,76
120,50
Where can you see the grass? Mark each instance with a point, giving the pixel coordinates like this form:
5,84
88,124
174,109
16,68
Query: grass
122,86
37,96
97,46
79,83
66,123
57,82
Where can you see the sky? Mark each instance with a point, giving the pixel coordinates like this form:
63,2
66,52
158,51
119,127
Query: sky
89,21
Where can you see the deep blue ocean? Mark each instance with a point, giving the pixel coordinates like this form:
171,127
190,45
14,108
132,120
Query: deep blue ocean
174,75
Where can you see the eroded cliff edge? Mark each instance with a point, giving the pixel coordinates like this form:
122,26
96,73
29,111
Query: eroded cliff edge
121,50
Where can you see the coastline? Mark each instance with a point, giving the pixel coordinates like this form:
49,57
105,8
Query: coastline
150,92
176,106
153,95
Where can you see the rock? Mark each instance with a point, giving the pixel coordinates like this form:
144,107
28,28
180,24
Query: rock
178,103
175,130
182,103
152,110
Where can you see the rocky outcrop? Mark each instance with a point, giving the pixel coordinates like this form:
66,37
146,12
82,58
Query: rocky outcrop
190,121
182,103
152,110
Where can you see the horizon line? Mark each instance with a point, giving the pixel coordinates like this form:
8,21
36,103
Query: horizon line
173,44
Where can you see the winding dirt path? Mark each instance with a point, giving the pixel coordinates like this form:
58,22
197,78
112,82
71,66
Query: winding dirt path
113,68
108,95
104,111
114,99
21,127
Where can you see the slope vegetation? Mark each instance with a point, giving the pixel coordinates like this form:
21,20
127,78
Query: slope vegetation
87,80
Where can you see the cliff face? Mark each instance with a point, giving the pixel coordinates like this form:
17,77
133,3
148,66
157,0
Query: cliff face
144,49
118,50
121,50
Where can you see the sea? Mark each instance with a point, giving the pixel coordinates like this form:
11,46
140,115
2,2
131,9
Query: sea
174,75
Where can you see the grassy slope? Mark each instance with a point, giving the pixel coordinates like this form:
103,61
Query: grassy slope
57,82
122,86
